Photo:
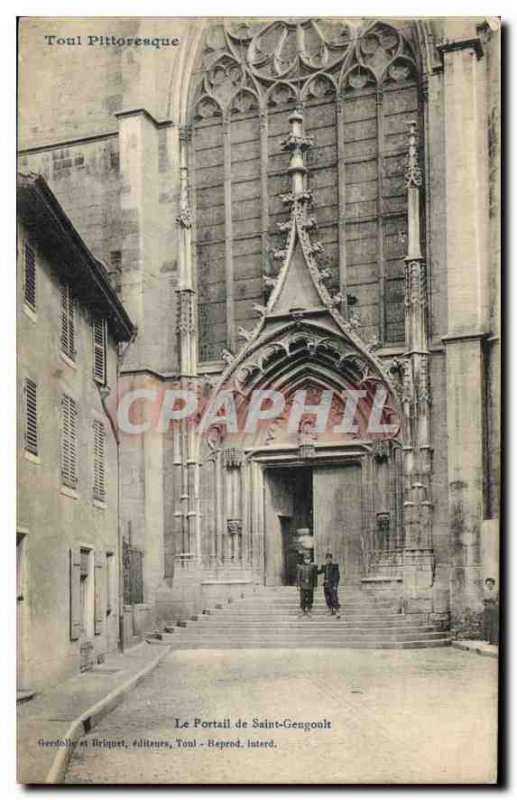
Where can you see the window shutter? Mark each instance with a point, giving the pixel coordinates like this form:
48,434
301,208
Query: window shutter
99,583
99,487
67,322
75,593
109,582
31,417
68,442
99,350
30,277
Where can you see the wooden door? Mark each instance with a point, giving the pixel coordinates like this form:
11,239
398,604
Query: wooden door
338,518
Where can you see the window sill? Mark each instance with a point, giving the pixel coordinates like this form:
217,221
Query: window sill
30,313
99,504
31,457
68,360
69,492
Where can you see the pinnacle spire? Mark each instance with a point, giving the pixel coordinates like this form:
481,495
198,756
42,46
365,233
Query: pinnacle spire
413,179
297,143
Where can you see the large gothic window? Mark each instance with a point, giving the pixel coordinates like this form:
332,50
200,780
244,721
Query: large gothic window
358,85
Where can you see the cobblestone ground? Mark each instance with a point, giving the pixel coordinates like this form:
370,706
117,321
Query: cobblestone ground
396,717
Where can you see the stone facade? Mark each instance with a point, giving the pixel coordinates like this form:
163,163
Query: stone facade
172,167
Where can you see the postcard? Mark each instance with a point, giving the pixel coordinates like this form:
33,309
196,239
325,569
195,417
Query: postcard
259,373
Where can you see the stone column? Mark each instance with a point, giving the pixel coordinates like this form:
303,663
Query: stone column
466,196
418,560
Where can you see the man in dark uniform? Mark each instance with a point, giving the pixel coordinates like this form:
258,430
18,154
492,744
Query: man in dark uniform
330,583
306,580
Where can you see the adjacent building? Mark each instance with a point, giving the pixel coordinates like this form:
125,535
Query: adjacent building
70,326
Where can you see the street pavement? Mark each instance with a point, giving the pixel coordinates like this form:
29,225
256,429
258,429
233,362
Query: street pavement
46,719
403,716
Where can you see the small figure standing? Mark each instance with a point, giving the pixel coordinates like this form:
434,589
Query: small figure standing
330,583
306,580
491,612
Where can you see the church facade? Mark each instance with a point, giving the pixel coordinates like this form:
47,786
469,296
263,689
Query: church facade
302,217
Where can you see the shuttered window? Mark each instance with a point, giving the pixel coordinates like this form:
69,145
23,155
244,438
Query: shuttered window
99,349
29,278
75,593
99,486
31,417
69,442
100,601
67,322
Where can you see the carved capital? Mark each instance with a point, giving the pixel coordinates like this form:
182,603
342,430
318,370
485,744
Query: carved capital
234,526
381,450
232,457
383,521
307,451
294,142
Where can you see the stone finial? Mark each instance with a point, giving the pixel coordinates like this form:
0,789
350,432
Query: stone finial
244,334
227,356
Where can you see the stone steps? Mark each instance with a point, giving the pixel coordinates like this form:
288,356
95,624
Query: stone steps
222,644
311,636
294,602
274,618
270,619
316,609
303,625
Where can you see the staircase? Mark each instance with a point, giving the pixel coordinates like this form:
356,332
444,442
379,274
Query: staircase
268,618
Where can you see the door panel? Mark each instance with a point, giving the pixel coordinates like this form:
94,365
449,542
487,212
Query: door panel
338,518
278,506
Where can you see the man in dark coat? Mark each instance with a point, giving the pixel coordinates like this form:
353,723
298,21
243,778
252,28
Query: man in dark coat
330,583
306,580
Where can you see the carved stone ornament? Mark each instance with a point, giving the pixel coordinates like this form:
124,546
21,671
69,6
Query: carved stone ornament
383,521
413,174
227,357
234,526
184,218
381,450
232,457
186,318
307,451
244,334
258,65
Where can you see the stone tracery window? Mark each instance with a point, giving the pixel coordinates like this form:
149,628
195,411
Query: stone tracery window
359,88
